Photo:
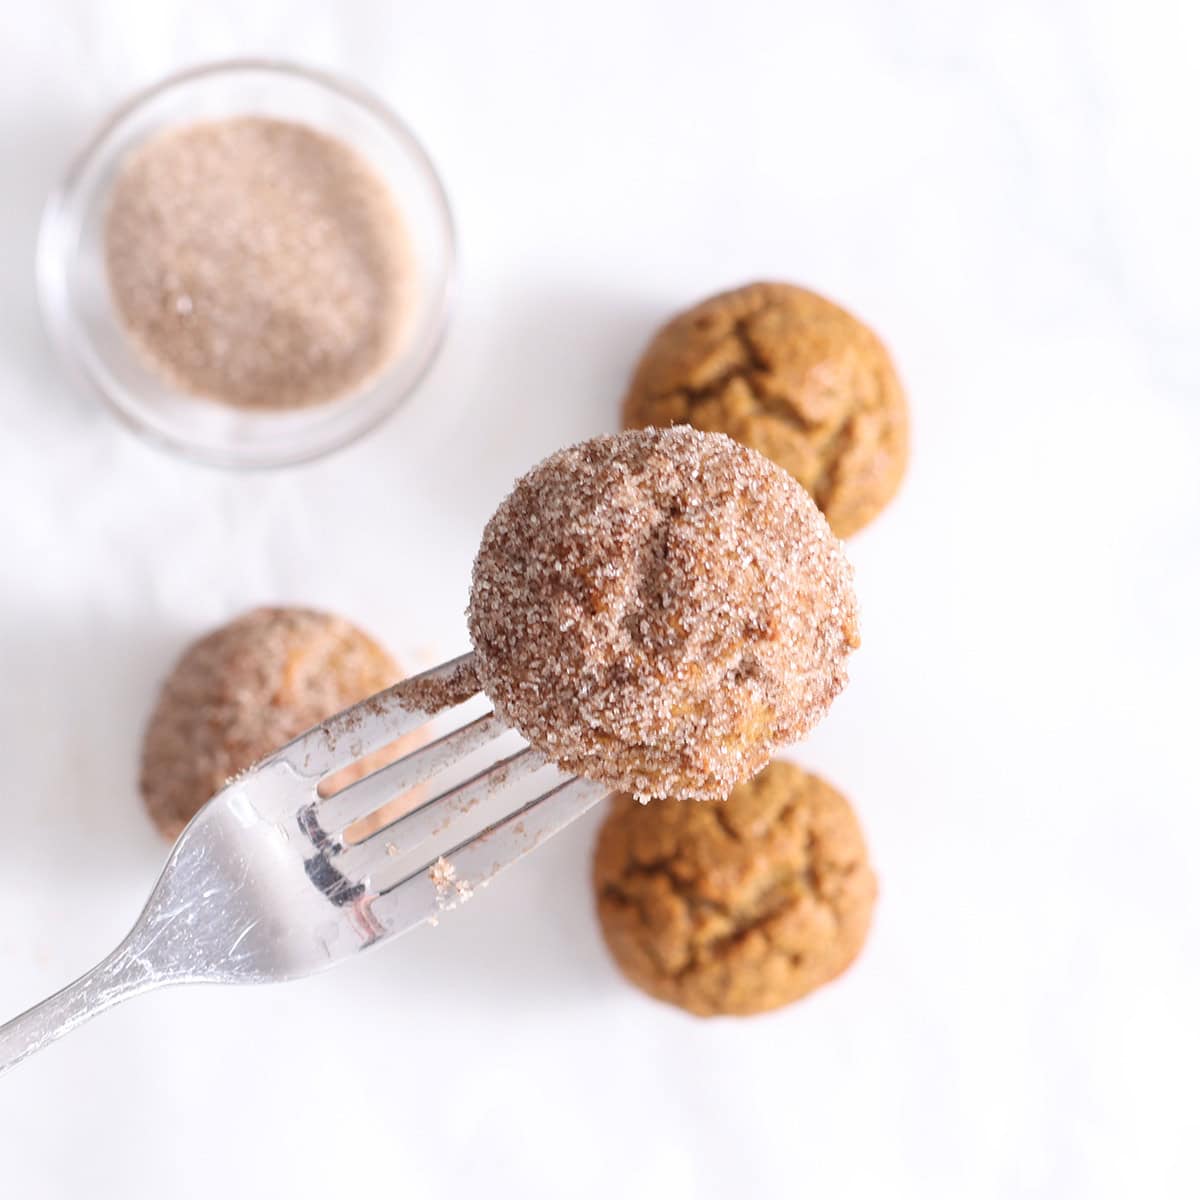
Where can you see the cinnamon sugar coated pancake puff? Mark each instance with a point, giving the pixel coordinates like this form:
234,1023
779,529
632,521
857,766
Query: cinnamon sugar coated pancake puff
794,376
658,610
740,907
245,690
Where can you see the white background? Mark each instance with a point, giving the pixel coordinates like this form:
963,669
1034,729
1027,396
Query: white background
1009,192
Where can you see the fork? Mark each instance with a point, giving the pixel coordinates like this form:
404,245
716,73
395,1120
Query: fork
264,885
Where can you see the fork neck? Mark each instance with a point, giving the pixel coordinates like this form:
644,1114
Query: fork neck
121,975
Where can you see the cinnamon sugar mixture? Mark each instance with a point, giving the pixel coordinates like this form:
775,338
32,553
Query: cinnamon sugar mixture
660,609
434,695
448,888
257,262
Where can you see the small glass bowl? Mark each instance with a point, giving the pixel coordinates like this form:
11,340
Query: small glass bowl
78,307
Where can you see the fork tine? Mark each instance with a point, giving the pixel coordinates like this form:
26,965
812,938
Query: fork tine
365,796
369,725
412,830
415,897
242,899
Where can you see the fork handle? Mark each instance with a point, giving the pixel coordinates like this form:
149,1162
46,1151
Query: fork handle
115,979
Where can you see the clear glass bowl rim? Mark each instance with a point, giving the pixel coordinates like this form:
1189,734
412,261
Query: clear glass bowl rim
47,265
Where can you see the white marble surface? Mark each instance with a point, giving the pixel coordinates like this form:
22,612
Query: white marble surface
1010,193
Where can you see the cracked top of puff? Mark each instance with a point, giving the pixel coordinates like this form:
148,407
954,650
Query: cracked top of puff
740,907
792,375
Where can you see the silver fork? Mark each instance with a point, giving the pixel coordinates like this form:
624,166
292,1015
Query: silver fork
263,885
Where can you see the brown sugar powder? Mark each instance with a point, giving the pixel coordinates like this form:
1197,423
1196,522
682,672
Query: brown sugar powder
257,262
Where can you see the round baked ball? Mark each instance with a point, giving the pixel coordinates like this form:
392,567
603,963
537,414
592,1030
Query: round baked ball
740,907
245,690
794,376
658,610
